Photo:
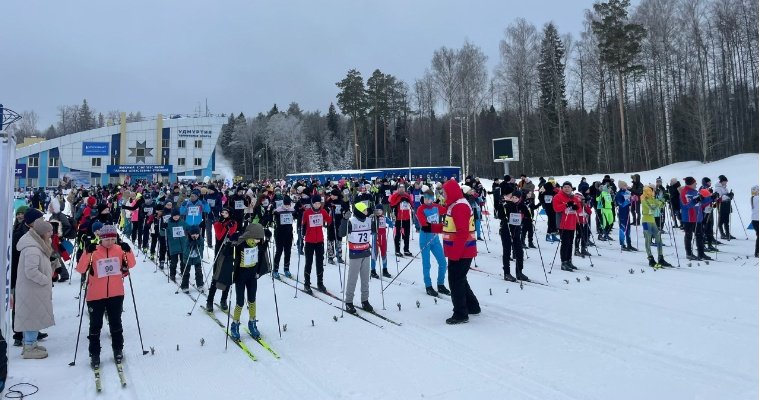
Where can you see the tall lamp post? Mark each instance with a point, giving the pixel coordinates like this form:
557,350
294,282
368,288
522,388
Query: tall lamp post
461,138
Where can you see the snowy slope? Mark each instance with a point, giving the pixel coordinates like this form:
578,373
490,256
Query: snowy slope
683,333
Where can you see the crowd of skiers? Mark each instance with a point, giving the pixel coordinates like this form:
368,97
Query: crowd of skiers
175,225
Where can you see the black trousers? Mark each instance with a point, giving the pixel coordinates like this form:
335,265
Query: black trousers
113,307
245,285
461,295
136,236
401,226
551,219
636,213
310,251
690,230
757,235
566,244
708,227
526,230
283,243
724,217
510,246
581,236
198,275
175,259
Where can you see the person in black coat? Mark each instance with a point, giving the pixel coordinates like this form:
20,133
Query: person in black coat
675,201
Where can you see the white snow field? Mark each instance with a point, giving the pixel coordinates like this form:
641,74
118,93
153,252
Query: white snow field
598,333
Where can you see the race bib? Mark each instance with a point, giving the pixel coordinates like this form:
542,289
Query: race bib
417,198
176,199
548,198
387,193
515,219
148,211
211,202
277,203
627,196
250,256
108,267
193,211
286,219
359,237
315,221
432,219
382,223
166,218
239,204
178,231
405,206
338,207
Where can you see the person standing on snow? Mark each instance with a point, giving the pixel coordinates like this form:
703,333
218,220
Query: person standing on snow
651,208
692,202
401,204
636,189
623,201
283,235
380,224
459,247
358,229
250,263
754,202
314,219
724,208
546,194
566,207
512,212
428,213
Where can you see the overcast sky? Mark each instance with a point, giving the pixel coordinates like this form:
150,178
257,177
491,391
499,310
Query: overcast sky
168,56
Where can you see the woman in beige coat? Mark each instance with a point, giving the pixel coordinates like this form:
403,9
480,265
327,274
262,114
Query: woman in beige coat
34,287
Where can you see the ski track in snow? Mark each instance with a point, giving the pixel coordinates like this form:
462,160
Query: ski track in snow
679,333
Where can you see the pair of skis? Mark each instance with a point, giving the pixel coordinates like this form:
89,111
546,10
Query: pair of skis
259,340
120,372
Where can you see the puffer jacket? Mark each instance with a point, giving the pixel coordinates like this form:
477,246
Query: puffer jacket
106,279
34,286
459,225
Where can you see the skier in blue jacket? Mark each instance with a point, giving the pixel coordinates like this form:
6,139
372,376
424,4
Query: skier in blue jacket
623,201
194,208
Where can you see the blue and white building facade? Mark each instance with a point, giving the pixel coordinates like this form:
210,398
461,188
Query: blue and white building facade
161,149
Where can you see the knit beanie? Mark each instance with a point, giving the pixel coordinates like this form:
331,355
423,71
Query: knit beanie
42,227
108,231
31,215
689,180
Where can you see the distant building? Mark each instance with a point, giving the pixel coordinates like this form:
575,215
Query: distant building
161,149
29,141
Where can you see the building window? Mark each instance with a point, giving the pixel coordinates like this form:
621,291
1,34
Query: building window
198,162
31,182
181,161
52,181
165,160
181,144
53,163
114,160
165,143
199,144
96,161
33,161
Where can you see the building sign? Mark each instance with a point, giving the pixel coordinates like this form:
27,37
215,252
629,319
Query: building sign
20,170
139,169
194,133
95,148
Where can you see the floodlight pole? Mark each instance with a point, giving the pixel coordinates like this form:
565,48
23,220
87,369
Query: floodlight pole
506,167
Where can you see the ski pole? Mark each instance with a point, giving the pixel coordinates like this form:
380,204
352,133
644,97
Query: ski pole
134,303
557,250
213,265
227,339
81,311
73,257
410,261
377,258
674,241
538,242
274,291
184,269
486,241
740,219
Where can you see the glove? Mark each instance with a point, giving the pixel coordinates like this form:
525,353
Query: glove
125,247
570,204
698,198
574,206
730,195
124,269
346,214
715,196
91,247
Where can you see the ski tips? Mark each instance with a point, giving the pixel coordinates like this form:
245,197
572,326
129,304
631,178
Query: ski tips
71,364
145,352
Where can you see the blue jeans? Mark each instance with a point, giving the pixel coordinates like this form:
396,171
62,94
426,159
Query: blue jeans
30,337
477,228
431,242
625,229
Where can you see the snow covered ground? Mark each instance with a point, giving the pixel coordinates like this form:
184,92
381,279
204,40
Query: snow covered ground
599,333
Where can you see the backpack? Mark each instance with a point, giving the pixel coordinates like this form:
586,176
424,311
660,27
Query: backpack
71,232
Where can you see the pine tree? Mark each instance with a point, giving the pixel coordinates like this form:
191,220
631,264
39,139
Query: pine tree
332,120
273,111
352,100
619,45
85,119
551,77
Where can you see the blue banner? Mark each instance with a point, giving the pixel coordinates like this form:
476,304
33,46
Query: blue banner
95,148
20,170
139,169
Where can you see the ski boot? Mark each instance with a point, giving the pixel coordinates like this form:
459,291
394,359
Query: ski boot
631,248
235,331
584,253
430,291
566,266
185,289
548,238
525,246
350,308
577,253
340,260
367,307
95,361
508,277
692,257
571,265
276,275
522,277
408,253
652,263
321,287
398,254
530,245
624,248
442,290
373,274
386,274
330,261
223,306
600,237
454,320
254,330
118,356
705,257
555,238
307,288
288,274
209,308
711,249
661,261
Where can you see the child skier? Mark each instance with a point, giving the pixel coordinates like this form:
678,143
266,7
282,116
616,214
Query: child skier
192,256
428,215
105,266
283,235
358,229
650,209
225,230
250,263
380,240
176,240
314,219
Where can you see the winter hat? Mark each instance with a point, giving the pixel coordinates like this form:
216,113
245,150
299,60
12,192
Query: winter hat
96,226
706,181
379,207
466,189
41,227
101,207
196,193
316,199
212,187
567,183
335,192
425,188
286,200
31,215
755,189
507,178
21,210
689,180
622,184
722,178
175,211
108,231
517,193
659,179
91,201
648,192
193,230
